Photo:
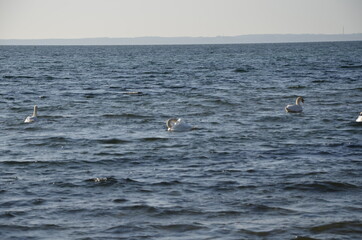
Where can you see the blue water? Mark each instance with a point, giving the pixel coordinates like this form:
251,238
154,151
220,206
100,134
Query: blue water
100,164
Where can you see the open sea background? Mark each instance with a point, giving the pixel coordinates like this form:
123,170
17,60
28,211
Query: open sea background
99,163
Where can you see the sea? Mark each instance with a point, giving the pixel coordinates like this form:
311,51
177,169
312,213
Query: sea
99,162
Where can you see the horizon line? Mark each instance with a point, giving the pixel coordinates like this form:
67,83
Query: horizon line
155,36
158,40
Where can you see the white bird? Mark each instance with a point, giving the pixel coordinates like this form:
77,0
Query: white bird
359,119
177,125
295,108
33,117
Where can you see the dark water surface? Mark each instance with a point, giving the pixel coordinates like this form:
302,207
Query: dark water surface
99,163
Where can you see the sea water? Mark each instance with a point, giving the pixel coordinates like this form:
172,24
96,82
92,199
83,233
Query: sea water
100,164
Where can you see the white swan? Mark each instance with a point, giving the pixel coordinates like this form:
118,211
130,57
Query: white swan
177,125
295,108
33,117
359,119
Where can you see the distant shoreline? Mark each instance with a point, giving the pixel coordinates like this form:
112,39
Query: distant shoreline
241,39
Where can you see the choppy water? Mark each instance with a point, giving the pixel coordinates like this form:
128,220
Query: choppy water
99,163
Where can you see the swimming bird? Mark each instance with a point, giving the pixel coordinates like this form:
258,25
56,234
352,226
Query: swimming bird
177,125
295,108
33,117
359,119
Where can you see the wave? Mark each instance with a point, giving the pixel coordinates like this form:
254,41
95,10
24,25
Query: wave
354,145
269,209
125,115
119,200
231,186
179,212
351,66
344,227
124,228
70,161
55,142
304,238
92,95
154,139
18,76
260,233
320,81
144,208
96,181
108,153
243,69
112,141
167,183
323,186
297,87
32,227
156,73
179,227
24,162
7,214
103,180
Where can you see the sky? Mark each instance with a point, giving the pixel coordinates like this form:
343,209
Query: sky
49,19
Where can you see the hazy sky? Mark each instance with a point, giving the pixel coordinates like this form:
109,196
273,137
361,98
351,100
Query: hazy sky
34,19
